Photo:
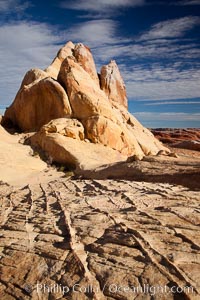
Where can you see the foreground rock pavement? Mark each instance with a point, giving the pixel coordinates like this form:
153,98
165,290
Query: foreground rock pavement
102,238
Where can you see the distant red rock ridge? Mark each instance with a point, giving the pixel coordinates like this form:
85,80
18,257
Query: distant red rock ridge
187,138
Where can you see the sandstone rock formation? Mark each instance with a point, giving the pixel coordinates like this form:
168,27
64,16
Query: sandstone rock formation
112,84
78,239
70,88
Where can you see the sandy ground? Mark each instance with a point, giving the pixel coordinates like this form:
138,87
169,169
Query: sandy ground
18,166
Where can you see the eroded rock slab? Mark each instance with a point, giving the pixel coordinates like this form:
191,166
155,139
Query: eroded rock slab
74,153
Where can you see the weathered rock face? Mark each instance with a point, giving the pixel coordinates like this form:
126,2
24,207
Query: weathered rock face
112,83
98,109
85,59
32,76
86,98
67,146
67,127
38,103
100,129
64,52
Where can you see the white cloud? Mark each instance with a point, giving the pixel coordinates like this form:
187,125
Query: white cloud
161,90
105,6
172,103
171,28
24,45
188,2
8,6
156,71
158,82
134,51
94,33
167,116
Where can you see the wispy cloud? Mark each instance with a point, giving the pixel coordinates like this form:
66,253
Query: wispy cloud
7,6
187,2
167,116
171,28
24,45
161,90
172,103
2,111
95,32
103,6
161,82
104,37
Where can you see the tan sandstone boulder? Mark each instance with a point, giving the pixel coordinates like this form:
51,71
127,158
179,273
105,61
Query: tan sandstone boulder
86,61
67,127
74,153
32,76
112,83
101,130
64,52
38,103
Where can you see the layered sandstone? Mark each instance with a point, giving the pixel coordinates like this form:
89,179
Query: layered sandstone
99,239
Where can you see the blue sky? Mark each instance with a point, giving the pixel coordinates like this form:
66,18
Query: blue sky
155,43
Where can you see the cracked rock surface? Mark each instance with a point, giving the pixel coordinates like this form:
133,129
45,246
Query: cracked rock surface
99,239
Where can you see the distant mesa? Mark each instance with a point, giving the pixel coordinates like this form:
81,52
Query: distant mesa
80,117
